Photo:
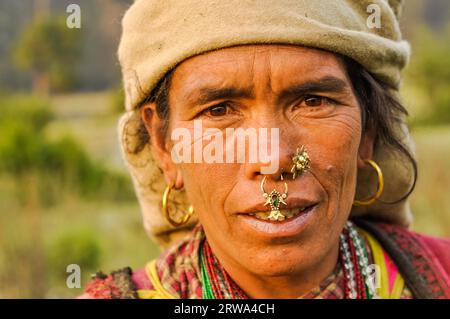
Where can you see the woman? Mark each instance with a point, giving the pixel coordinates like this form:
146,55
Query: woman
326,214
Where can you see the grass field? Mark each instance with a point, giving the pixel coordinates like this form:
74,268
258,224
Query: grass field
431,199
32,247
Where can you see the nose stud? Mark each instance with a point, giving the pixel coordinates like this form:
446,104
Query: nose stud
301,162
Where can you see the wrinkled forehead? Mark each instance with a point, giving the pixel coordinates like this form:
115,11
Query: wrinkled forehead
257,65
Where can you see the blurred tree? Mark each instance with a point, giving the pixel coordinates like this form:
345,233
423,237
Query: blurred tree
53,166
50,50
117,100
78,246
429,73
44,172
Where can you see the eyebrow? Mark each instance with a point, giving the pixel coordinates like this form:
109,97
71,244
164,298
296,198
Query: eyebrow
329,84
209,94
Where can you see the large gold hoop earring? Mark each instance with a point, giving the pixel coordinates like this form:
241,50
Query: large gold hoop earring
380,186
165,209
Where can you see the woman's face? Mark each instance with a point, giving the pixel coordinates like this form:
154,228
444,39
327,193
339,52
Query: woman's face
307,95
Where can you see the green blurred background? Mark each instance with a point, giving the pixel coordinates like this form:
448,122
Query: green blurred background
65,195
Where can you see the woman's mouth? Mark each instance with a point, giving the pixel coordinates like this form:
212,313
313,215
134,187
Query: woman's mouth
286,223
279,215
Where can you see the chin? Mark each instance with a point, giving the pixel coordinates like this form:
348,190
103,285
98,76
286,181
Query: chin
281,260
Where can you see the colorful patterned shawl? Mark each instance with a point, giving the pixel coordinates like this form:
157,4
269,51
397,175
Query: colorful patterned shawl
423,262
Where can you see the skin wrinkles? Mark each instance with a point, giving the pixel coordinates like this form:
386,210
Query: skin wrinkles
264,266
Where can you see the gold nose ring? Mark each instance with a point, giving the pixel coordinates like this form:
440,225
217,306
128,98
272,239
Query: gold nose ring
274,199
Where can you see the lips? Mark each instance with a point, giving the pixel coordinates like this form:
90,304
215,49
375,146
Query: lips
258,224
281,216
294,207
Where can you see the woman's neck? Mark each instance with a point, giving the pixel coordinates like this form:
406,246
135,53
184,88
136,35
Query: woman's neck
289,286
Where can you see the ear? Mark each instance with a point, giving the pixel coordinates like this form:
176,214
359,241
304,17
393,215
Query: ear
160,147
366,147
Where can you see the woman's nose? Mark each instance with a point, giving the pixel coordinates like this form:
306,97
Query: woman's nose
278,161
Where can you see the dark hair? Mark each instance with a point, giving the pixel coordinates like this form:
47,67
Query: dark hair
381,111
160,96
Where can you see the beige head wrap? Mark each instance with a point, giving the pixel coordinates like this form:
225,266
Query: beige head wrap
159,34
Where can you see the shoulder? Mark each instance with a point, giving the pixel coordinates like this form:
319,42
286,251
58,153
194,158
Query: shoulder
174,274
409,240
120,284
439,247
423,260
170,275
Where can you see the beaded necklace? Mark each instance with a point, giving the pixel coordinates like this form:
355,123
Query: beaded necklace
217,284
353,256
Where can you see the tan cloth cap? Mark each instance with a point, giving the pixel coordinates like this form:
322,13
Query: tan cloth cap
158,35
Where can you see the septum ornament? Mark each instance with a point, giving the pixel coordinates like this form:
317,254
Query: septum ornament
274,199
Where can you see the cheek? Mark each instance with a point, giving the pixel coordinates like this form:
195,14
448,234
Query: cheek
334,148
208,187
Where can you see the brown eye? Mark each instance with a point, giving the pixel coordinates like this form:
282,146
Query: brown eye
314,100
218,110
